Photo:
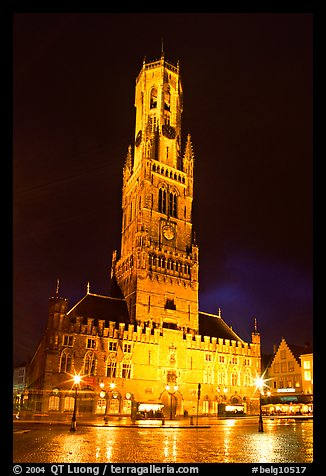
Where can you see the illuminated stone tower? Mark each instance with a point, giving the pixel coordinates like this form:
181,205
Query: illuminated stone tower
158,268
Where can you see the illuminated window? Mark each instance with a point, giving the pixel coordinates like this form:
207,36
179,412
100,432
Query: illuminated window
65,362
306,364
173,204
222,378
234,380
69,403
208,375
54,403
171,378
127,348
90,343
162,200
205,406
89,364
307,375
247,378
167,100
112,346
111,366
153,99
126,369
67,340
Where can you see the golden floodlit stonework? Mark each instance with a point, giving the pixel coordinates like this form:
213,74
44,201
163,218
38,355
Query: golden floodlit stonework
148,342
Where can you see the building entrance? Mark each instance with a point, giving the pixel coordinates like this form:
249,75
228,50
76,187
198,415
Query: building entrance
172,404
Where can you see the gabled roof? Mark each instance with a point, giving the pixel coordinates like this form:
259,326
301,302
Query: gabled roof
213,325
101,307
296,350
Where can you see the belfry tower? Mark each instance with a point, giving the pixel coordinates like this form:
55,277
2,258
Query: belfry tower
157,271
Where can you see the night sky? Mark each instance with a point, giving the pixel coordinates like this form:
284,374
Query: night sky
248,106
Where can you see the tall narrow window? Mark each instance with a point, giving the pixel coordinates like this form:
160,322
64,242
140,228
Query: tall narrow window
89,364
65,362
111,366
54,402
173,204
126,368
162,200
153,100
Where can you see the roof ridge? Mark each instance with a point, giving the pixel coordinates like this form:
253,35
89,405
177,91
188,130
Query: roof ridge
106,297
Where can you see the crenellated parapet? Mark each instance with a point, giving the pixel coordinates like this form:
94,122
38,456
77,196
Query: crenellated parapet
227,346
153,334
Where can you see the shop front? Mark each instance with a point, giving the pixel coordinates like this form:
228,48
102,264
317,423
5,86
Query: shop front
288,405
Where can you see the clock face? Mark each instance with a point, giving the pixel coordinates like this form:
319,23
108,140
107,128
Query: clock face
168,131
168,232
138,138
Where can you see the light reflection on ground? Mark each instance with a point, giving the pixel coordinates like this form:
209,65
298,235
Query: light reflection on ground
231,441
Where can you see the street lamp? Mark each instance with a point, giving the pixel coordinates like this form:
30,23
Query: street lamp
73,427
171,390
260,385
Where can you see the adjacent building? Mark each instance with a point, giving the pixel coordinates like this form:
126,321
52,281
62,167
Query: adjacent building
289,384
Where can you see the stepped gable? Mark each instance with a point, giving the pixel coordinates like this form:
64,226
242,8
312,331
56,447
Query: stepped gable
100,307
298,350
213,325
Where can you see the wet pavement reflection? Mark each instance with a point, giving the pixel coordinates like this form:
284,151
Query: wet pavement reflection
228,441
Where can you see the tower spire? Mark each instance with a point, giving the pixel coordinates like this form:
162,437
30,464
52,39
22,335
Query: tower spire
57,288
162,48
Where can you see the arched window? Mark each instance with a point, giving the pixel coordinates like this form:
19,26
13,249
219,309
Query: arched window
69,404
54,401
247,378
111,366
208,374
89,364
234,379
126,367
153,99
65,362
222,378
167,100
162,200
173,204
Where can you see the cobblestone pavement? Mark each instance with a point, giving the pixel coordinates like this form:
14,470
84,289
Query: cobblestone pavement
225,441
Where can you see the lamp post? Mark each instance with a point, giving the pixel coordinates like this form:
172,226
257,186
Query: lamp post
73,427
198,398
260,385
171,391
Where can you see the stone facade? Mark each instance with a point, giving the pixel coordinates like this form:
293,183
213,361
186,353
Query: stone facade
150,344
